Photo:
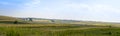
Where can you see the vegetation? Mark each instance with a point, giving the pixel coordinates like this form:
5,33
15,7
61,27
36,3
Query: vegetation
56,30
10,26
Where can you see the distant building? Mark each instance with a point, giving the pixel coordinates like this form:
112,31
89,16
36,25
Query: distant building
52,21
28,19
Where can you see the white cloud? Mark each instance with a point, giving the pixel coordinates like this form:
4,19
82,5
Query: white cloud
66,10
32,3
98,12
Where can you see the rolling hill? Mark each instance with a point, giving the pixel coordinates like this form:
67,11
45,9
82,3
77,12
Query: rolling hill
8,19
55,27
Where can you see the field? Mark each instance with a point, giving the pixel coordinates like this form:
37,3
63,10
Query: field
57,30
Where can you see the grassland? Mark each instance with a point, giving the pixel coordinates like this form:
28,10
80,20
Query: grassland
57,30
82,28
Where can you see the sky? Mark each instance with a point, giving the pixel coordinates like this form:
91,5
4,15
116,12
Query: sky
88,10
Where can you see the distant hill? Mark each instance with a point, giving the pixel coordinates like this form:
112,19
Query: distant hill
8,19
43,20
60,21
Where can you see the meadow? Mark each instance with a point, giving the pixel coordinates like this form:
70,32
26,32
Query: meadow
8,27
57,30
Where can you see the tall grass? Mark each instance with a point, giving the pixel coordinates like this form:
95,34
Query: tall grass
55,30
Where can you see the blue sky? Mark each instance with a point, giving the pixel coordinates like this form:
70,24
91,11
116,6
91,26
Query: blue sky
92,10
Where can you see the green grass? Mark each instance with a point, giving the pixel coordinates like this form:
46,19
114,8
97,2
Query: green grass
56,30
7,28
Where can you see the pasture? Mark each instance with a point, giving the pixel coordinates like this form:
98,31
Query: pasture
57,30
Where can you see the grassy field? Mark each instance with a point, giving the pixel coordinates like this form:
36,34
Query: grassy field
82,28
57,30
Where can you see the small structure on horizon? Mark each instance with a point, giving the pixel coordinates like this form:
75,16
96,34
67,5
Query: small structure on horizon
52,21
28,19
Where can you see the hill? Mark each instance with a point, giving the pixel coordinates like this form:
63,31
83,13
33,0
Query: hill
8,19
55,27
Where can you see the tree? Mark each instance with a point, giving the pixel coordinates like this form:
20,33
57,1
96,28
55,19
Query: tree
15,22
